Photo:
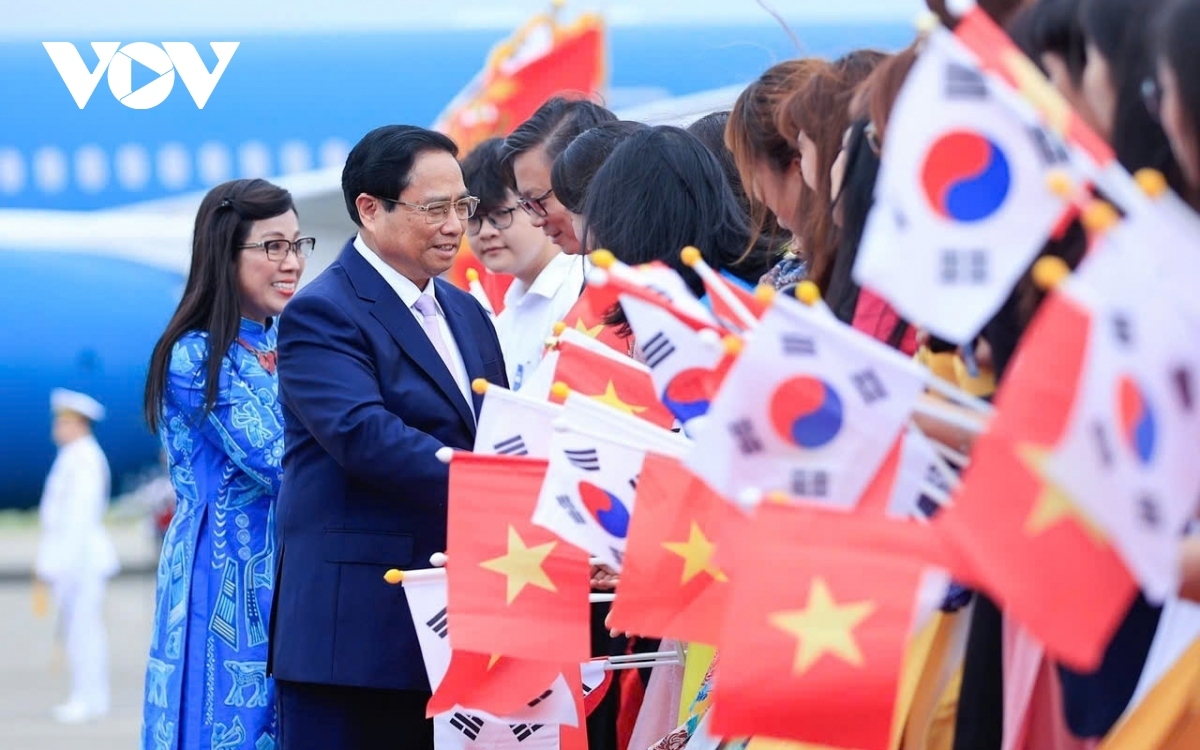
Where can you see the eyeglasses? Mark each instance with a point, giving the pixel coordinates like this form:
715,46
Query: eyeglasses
1152,97
535,206
438,211
501,218
277,250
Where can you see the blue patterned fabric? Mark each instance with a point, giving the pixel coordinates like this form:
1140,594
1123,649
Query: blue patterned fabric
206,681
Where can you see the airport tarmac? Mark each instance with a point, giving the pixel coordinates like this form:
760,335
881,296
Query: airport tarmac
33,677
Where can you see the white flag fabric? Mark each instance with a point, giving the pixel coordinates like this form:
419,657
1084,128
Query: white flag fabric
917,471
466,730
513,424
585,414
539,382
682,362
588,496
1128,454
660,278
962,204
811,408
427,600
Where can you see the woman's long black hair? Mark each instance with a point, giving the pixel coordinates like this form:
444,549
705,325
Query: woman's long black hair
211,302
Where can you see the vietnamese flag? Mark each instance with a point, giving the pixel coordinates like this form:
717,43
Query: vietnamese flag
499,685
587,317
814,637
671,585
515,589
613,380
1030,546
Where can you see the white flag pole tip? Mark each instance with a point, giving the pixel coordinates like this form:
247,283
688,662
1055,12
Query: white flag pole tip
445,454
438,559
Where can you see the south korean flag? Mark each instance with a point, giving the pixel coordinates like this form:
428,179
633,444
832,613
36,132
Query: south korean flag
962,202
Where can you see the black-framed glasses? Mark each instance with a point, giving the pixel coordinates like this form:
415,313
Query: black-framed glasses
501,218
535,206
1152,97
438,211
278,249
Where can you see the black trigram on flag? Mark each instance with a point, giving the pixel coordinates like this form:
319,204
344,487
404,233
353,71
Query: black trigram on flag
565,503
810,483
869,386
439,624
469,725
747,438
657,350
513,446
1149,513
799,346
524,731
1103,445
964,82
1184,390
541,698
964,267
587,459
618,555
1122,328
1048,147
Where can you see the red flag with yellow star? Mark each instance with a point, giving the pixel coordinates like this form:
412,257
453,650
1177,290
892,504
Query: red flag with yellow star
614,380
814,635
514,588
498,685
671,585
587,317
1032,548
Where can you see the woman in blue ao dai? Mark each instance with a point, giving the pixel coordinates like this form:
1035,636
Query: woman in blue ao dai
212,397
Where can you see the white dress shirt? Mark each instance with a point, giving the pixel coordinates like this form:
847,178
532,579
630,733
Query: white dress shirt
408,293
530,313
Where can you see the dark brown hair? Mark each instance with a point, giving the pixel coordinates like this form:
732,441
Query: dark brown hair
211,302
820,109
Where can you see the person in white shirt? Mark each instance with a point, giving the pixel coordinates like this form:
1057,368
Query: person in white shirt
546,281
75,555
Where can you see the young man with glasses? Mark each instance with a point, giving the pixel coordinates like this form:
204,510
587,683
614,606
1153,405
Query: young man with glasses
546,281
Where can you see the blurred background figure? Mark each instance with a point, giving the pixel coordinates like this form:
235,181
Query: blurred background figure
75,555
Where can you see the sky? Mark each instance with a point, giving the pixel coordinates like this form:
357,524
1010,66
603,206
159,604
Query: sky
76,18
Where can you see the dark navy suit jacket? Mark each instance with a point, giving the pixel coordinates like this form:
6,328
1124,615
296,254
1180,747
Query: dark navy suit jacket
367,402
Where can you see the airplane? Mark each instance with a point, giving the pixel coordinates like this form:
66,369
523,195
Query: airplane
97,203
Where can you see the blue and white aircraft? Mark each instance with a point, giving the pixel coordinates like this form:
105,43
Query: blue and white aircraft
105,149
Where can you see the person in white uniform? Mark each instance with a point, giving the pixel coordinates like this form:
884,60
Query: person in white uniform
75,556
546,282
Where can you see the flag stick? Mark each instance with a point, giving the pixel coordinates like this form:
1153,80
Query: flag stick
954,393
716,285
611,667
627,658
397,576
948,415
477,292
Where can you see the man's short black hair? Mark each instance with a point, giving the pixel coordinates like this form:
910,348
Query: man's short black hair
381,163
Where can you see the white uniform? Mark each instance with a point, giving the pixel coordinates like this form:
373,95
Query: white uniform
77,557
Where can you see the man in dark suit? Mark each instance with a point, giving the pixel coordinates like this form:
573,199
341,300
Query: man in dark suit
376,359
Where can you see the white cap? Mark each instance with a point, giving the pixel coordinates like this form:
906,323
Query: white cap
63,400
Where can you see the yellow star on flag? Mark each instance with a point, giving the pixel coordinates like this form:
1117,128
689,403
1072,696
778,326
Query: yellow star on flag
593,331
823,627
522,565
492,661
610,398
1053,506
697,553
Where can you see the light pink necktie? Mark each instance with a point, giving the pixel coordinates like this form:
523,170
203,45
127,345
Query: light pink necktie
429,312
